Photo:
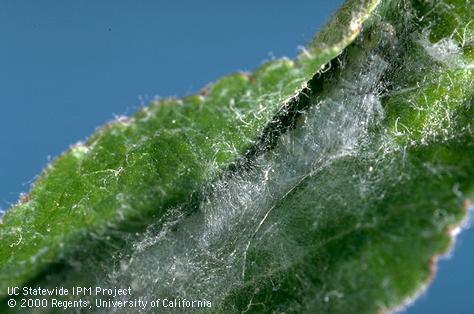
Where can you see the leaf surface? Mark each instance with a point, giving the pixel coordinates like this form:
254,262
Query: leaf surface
299,189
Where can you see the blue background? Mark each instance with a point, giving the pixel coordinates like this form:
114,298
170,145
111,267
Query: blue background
67,67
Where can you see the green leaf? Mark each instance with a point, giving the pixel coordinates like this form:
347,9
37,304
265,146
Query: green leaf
282,192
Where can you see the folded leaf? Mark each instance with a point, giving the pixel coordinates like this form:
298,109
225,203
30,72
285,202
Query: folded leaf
337,200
